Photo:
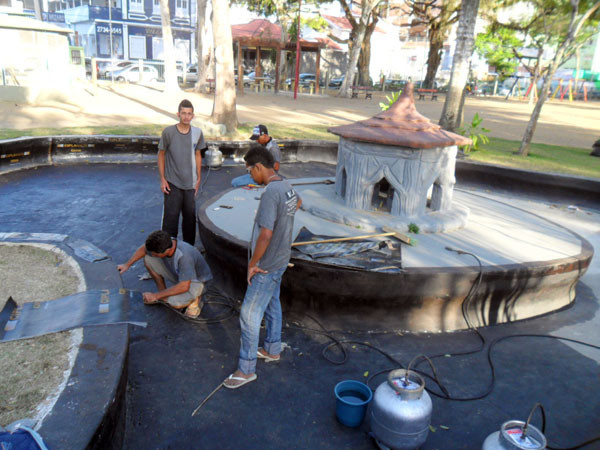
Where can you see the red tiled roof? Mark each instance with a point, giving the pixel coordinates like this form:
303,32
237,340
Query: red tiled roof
402,126
340,22
329,43
258,28
344,23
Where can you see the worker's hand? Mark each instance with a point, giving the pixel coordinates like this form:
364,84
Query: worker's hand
164,186
149,297
196,187
253,271
122,268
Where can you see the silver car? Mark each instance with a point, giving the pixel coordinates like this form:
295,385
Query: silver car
132,74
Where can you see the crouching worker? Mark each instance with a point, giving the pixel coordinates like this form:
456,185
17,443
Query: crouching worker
178,262
271,249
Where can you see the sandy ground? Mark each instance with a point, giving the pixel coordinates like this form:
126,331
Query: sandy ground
562,123
31,370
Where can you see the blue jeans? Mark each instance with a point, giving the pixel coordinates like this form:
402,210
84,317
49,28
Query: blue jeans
262,299
243,180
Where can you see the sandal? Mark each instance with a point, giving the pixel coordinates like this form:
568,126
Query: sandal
266,356
193,312
232,382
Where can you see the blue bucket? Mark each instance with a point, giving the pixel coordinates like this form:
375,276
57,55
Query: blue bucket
352,398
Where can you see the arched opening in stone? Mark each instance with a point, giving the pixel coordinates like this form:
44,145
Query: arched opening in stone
343,186
383,196
428,206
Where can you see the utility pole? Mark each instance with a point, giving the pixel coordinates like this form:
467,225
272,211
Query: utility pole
112,62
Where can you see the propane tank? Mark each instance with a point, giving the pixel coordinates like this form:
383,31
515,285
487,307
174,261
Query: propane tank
401,411
510,437
213,157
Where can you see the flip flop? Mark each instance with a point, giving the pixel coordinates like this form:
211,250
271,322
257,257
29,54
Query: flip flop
236,382
193,312
259,355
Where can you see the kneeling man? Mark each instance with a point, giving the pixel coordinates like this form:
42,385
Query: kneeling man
180,263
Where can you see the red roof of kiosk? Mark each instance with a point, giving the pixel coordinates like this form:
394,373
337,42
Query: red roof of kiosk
402,126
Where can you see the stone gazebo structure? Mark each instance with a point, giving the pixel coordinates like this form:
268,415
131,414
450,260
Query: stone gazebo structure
399,162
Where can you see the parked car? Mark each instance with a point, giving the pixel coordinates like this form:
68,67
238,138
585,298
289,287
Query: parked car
421,85
337,82
132,74
250,79
304,79
191,73
114,67
392,85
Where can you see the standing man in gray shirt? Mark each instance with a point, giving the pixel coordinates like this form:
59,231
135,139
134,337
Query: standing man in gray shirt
179,166
272,246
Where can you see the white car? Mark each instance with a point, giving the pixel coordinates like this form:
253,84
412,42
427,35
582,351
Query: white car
116,66
132,74
191,75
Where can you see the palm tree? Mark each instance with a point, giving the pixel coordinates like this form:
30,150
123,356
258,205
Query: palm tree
465,41
224,107
168,48
204,44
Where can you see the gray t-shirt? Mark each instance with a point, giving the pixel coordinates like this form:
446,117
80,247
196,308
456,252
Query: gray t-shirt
276,212
180,160
188,264
274,150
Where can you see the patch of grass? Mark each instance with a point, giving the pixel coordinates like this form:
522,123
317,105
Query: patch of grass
32,369
541,158
139,130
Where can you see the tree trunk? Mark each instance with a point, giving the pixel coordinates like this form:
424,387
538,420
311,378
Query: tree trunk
359,36
204,48
465,39
364,59
436,44
224,107
170,75
577,66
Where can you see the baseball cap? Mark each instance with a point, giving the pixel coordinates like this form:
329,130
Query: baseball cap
258,130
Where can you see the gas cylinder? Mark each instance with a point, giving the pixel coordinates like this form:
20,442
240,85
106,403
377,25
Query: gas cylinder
510,437
401,411
213,157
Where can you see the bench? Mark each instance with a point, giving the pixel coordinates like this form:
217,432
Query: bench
423,92
357,89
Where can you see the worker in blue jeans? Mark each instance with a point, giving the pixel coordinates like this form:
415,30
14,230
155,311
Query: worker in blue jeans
271,243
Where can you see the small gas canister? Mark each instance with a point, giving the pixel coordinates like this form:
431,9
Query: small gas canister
401,411
511,437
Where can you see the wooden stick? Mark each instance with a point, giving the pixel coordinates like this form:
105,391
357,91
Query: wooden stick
401,237
349,238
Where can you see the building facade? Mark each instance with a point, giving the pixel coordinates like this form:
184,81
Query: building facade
133,26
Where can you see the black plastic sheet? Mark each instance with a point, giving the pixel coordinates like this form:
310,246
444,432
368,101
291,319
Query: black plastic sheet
99,307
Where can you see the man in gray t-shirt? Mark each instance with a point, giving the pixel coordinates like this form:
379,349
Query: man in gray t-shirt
179,166
174,260
271,249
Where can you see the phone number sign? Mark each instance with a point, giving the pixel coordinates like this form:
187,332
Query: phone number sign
102,28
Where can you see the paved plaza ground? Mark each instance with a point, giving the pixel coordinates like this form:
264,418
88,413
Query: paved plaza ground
575,124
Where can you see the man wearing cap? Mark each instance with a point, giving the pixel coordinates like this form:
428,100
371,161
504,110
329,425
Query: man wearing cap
261,135
179,166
